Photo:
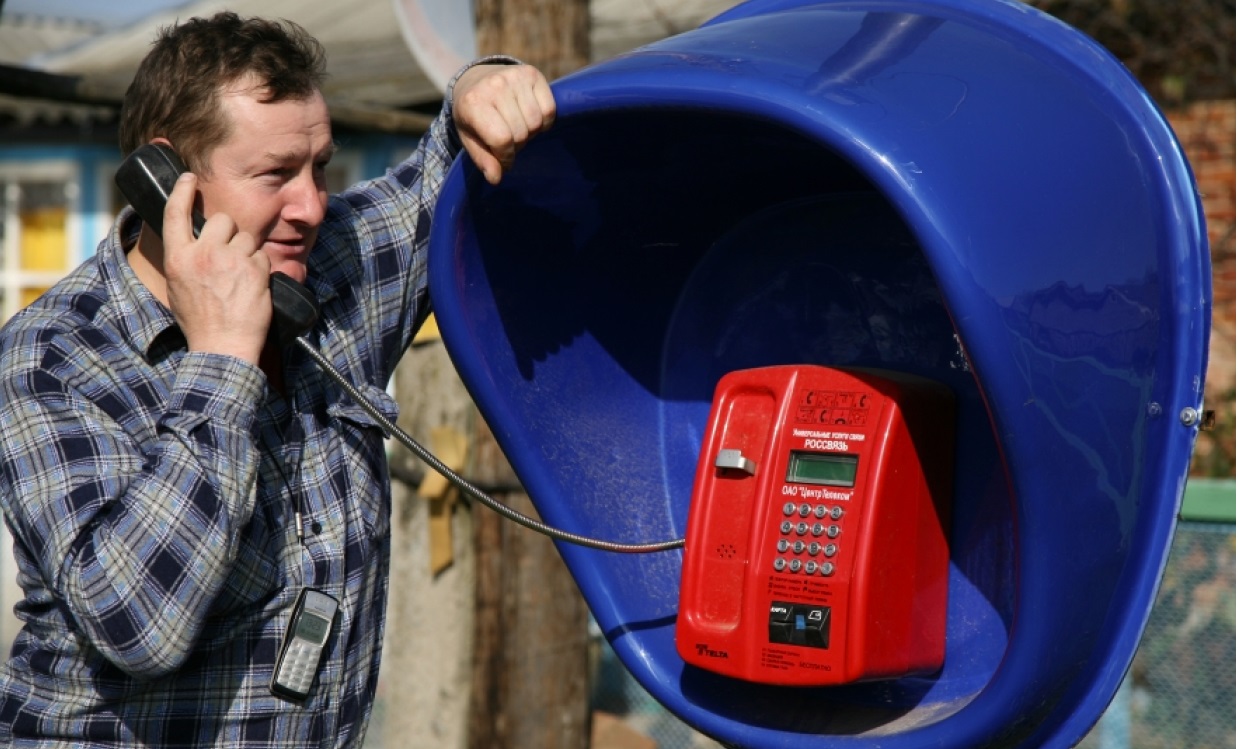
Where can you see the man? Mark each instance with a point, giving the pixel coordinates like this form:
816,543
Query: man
173,480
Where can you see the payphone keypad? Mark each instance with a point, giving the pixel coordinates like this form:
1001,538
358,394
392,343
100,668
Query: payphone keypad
797,555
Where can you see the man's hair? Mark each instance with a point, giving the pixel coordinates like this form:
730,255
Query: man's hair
175,93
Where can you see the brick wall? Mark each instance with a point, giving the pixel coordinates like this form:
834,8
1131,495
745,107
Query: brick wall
1206,130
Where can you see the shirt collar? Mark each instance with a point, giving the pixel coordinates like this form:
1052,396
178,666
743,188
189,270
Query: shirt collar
141,316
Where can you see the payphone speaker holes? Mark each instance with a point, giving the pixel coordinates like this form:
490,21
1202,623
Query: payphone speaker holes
727,551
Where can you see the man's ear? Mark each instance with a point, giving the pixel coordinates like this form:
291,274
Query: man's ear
191,162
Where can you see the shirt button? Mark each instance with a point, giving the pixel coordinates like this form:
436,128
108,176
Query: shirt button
316,527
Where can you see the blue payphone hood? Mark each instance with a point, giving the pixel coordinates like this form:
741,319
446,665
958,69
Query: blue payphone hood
966,191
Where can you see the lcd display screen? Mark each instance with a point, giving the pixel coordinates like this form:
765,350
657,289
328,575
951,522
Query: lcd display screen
826,469
313,628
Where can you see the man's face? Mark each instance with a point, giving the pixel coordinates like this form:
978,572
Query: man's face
269,174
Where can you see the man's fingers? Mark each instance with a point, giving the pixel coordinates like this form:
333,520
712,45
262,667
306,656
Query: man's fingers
498,109
528,107
535,100
484,160
544,103
490,140
248,247
178,213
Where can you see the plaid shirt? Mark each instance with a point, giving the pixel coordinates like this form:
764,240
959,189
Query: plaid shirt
151,493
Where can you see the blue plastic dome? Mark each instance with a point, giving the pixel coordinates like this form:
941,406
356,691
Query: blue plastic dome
967,191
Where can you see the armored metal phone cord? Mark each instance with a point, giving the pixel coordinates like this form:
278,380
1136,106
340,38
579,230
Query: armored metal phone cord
297,519
404,439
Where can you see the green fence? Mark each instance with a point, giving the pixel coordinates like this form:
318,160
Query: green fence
1179,693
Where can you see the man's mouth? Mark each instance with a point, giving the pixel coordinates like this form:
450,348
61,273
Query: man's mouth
289,245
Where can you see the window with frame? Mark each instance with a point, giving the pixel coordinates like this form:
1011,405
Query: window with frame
38,227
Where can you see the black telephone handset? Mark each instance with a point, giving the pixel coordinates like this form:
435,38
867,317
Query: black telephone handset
146,179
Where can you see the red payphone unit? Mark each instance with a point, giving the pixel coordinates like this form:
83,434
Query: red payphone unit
816,549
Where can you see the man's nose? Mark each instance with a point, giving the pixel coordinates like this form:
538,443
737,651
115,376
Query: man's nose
307,201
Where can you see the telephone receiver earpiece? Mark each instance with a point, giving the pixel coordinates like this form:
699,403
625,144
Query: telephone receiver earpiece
146,179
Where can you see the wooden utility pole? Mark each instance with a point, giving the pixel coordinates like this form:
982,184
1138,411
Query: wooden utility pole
487,645
552,35
530,683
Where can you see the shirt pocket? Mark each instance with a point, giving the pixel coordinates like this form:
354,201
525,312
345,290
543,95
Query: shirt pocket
366,456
